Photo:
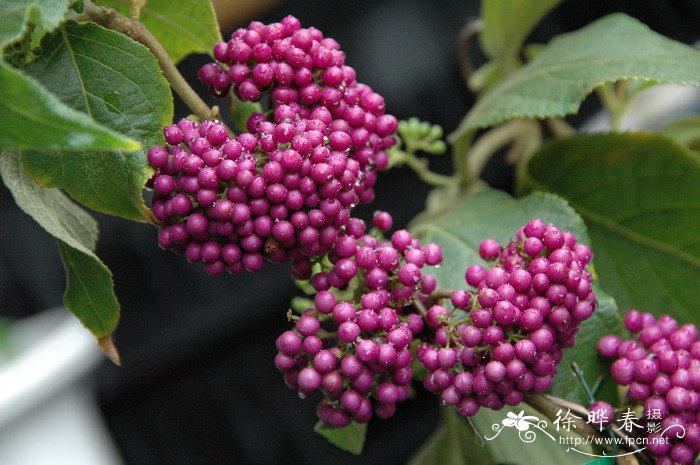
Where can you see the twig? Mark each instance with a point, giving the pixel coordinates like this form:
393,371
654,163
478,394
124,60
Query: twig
579,375
429,177
470,30
559,128
461,149
420,306
492,141
550,406
135,7
611,100
437,295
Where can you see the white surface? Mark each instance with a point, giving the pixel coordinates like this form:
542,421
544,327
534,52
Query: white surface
63,430
47,410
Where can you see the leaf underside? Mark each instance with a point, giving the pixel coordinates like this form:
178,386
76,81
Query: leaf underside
555,83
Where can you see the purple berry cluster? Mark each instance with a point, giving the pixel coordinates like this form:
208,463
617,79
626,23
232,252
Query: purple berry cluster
286,189
314,98
386,271
660,364
230,204
527,308
296,66
358,355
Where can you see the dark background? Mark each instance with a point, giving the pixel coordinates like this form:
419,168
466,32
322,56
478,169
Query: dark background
198,384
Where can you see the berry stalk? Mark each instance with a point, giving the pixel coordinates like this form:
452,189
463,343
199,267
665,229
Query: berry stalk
550,405
425,175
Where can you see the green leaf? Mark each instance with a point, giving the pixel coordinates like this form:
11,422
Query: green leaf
54,212
485,76
89,290
301,304
602,461
89,295
508,446
182,27
351,438
507,24
15,15
116,81
639,196
241,111
554,84
685,131
492,214
495,214
33,119
605,320
454,443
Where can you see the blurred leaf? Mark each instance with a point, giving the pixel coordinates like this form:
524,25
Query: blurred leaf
639,196
351,438
16,14
685,131
89,294
301,304
183,27
554,84
485,76
495,214
116,81
5,345
34,119
507,23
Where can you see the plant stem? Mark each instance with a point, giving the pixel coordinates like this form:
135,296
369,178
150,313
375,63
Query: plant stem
437,295
621,90
524,148
135,7
327,335
493,140
427,176
559,128
420,306
461,150
610,100
111,19
471,29
579,375
550,406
